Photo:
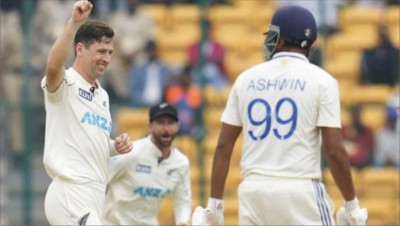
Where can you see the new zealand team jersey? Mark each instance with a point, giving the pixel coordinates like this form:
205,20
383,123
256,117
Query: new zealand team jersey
138,183
280,105
78,125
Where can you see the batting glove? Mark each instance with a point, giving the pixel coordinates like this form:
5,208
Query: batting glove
212,215
351,214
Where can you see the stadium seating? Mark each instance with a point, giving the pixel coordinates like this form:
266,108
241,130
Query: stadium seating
373,116
174,42
215,97
373,94
231,210
134,121
380,183
225,15
394,32
345,42
344,66
158,12
392,15
185,15
212,116
166,213
380,211
354,16
188,146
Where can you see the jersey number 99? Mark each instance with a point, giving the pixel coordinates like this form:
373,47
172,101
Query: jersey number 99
268,121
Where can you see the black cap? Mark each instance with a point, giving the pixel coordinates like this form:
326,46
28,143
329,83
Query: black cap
163,109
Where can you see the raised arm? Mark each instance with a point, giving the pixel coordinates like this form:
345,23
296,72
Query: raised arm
60,50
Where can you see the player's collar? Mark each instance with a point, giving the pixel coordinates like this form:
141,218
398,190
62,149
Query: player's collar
290,55
82,81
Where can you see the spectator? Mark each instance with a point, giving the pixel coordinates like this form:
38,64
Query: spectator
11,77
387,150
358,138
214,54
147,80
380,64
47,23
133,29
186,96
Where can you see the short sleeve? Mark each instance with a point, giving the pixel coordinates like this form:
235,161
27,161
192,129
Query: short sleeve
231,114
329,105
116,166
59,93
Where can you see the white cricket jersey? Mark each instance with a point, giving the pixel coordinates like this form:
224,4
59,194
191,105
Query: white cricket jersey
280,104
138,183
78,125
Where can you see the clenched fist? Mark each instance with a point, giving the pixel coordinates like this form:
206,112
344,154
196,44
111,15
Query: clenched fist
123,143
81,11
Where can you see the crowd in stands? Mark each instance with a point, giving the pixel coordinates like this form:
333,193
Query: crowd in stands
138,77
381,60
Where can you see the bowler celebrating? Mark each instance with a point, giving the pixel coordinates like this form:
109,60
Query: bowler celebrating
78,122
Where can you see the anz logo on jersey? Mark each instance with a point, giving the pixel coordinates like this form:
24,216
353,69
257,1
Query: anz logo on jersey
143,168
96,120
147,192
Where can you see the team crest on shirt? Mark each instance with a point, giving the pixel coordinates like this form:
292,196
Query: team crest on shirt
85,94
140,168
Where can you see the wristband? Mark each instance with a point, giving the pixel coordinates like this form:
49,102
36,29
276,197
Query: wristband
351,205
216,205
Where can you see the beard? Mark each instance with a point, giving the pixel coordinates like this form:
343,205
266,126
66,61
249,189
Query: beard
163,140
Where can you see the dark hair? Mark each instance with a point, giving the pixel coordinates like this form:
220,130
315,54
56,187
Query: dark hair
92,31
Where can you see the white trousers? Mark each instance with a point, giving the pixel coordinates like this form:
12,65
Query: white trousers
275,201
74,204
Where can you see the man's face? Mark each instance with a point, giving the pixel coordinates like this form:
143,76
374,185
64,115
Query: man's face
97,57
164,130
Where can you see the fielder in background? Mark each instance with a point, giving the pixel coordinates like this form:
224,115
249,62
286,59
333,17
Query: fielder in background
283,106
139,181
78,122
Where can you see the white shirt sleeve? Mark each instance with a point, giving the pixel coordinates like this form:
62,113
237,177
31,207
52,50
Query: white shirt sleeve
59,93
231,114
182,195
329,106
116,166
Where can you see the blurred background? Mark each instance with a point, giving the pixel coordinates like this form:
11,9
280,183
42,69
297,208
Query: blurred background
189,52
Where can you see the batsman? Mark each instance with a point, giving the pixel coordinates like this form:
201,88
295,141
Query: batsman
286,108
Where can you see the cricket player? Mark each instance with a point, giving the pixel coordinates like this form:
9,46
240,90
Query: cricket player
139,181
78,122
283,107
